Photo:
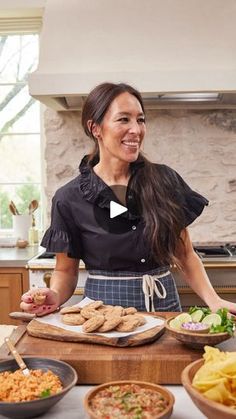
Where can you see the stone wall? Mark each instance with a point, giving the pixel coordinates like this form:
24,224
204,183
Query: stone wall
200,145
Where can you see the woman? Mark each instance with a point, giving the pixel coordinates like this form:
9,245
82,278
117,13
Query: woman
128,258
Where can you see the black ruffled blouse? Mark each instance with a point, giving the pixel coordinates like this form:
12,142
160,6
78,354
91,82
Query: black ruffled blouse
74,228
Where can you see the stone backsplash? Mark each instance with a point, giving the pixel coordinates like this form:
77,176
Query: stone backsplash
200,145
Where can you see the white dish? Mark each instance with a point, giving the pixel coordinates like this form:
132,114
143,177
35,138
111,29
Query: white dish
8,241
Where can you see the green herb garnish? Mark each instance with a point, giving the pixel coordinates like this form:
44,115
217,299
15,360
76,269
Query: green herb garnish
138,413
45,393
227,323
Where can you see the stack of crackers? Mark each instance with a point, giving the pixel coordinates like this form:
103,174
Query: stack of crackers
101,318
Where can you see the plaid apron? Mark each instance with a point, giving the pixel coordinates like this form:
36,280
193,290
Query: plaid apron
150,291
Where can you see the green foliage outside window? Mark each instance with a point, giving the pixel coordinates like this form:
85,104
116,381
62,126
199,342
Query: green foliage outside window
20,166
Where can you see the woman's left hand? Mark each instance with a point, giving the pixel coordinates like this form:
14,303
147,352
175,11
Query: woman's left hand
221,303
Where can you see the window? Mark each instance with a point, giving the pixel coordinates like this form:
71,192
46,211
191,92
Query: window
20,159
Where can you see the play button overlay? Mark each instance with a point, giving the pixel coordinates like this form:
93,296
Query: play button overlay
116,209
110,212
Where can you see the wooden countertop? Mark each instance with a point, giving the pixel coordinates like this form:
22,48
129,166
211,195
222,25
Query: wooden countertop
161,361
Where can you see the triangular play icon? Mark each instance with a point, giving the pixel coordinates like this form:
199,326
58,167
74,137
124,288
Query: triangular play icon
116,209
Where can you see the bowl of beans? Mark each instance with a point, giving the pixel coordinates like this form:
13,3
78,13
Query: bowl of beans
129,400
26,396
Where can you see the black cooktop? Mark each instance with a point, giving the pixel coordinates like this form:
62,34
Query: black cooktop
47,255
225,250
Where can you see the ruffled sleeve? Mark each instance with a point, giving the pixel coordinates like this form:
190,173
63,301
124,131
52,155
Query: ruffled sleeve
62,236
191,202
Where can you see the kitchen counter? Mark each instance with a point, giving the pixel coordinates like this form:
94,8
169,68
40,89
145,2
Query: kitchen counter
219,262
161,361
13,257
209,263
71,405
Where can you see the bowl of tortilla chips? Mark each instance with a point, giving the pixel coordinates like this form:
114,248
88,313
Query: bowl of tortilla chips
211,383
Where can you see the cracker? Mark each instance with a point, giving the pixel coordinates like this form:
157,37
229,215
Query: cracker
127,326
95,304
115,311
109,324
93,324
74,319
130,310
70,309
39,298
88,313
104,309
141,319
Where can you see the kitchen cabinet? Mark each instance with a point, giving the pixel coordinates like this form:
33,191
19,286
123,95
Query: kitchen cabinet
13,283
14,279
223,279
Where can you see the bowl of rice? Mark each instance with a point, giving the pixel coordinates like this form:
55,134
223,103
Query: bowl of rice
27,396
129,400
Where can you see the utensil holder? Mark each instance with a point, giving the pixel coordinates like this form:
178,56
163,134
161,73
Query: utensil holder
21,225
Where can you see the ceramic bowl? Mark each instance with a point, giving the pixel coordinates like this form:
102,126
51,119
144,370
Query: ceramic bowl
196,340
22,244
155,387
211,409
30,409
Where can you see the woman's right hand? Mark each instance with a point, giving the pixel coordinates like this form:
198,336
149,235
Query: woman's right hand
50,304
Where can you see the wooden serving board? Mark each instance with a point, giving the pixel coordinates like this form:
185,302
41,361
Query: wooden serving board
160,361
46,331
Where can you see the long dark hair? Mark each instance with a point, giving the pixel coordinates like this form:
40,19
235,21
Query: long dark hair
162,216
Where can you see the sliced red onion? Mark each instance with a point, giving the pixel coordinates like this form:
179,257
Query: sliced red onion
194,326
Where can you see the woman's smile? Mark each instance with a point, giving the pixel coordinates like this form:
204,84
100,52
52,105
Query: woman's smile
132,145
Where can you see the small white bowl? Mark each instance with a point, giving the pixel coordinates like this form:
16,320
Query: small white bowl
8,241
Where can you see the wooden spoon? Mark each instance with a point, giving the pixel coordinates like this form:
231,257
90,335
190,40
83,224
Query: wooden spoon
17,357
13,207
33,206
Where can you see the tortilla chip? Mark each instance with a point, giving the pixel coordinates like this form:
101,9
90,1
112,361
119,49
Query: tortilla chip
216,379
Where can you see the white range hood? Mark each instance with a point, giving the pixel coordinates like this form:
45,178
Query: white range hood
167,49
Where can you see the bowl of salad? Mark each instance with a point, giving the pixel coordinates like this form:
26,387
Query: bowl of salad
199,327
129,400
